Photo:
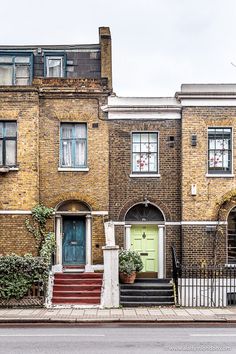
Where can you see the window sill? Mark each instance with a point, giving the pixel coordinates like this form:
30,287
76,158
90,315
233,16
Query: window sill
230,175
6,169
67,169
148,175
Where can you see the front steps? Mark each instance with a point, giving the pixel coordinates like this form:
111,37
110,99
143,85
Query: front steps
147,292
77,289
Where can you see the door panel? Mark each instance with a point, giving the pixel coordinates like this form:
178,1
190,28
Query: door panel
144,241
73,241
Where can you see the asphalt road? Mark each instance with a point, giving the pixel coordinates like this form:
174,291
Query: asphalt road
116,339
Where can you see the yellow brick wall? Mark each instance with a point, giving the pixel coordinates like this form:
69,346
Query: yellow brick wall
19,189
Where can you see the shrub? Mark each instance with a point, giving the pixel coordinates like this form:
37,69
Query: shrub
129,262
18,273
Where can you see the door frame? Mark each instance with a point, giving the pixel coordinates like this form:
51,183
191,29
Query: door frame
88,240
160,244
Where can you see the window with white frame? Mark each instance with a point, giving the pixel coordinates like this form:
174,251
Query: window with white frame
145,152
15,69
54,66
8,143
219,150
73,145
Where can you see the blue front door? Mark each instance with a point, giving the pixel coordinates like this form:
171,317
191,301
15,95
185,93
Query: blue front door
73,249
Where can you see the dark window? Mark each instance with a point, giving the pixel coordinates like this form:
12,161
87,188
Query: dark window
144,152
232,237
142,212
7,143
219,150
15,69
73,145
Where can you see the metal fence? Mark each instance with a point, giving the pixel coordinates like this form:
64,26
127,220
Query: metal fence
205,286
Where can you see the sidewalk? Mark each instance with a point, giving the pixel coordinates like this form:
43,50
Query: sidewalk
140,314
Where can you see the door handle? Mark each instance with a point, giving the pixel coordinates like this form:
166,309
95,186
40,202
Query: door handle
143,254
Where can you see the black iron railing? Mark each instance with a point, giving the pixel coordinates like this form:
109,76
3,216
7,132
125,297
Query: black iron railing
204,285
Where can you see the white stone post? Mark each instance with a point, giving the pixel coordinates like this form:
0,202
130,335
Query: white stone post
161,252
127,237
88,266
110,292
58,228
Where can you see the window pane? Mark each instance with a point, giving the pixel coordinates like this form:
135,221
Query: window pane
153,162
10,152
10,129
1,160
6,73
136,162
144,138
80,153
67,131
136,147
1,130
80,131
22,71
6,59
54,68
136,138
153,147
153,137
144,147
66,153
144,162
22,59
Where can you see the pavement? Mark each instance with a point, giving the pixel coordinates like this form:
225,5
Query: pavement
138,314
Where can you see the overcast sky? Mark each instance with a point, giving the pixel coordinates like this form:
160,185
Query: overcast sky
157,44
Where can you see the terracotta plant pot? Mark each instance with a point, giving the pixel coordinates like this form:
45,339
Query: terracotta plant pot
127,279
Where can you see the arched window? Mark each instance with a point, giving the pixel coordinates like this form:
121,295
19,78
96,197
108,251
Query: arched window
232,236
73,206
144,212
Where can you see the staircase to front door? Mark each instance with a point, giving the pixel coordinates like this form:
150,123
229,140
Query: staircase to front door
147,292
77,289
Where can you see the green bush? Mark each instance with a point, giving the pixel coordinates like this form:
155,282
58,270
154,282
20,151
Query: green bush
129,262
18,273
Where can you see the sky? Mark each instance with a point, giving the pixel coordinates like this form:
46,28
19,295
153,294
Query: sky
156,44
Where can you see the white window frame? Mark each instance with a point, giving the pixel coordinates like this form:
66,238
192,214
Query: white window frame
52,57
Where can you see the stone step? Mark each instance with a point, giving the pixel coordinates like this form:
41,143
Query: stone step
81,287
143,300
78,275
75,300
147,304
69,281
148,286
76,294
146,292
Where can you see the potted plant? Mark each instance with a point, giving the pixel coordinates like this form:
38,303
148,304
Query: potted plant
130,263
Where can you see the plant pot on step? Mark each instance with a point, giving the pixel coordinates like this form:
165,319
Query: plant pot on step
127,278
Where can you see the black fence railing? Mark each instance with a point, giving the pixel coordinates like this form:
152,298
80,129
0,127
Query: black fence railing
204,285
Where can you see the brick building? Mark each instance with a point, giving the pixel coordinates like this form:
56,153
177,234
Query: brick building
172,178
145,177
54,146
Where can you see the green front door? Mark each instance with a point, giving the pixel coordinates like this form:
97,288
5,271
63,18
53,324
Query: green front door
144,241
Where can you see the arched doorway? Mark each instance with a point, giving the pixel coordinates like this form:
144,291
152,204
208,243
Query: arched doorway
144,225
73,235
232,236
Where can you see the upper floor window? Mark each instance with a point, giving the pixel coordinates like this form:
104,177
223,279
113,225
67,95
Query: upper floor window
219,150
15,69
145,152
73,145
7,143
54,66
